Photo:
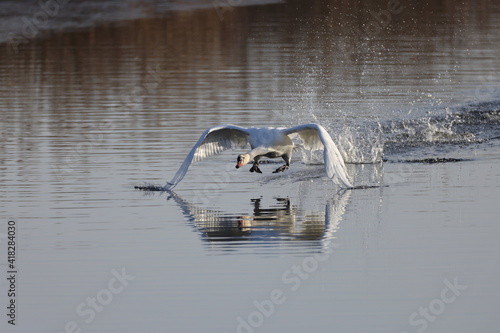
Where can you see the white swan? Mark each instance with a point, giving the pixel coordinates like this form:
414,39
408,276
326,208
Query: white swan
265,142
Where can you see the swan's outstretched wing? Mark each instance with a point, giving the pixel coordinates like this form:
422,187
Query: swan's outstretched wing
316,137
213,141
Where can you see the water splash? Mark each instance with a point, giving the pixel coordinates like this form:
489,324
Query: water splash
362,144
367,141
424,132
468,125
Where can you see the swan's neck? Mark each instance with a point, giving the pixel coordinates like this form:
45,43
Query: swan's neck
259,151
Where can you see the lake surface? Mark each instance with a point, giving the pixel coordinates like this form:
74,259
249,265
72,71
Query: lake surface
99,97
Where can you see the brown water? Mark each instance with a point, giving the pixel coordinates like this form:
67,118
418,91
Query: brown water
118,98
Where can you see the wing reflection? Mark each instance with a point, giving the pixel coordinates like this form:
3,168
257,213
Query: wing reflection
268,225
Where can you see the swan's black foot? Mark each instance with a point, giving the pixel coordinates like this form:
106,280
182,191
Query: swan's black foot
281,168
255,168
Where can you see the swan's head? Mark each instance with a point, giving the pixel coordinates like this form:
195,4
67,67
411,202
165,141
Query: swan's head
242,160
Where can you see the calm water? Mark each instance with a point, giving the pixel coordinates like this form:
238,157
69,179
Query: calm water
109,95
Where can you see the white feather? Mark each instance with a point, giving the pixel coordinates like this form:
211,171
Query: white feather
265,140
314,136
213,141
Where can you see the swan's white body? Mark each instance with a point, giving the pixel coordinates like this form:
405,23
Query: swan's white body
266,142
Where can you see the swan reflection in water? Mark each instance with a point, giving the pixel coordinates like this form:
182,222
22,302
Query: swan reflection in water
269,226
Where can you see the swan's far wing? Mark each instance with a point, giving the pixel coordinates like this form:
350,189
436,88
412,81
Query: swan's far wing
213,141
315,137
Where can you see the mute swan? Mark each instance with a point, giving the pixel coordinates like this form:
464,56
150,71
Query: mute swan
265,142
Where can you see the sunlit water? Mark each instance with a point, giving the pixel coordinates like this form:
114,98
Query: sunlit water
111,95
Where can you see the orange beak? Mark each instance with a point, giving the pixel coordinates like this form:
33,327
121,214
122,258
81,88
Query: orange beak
239,162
